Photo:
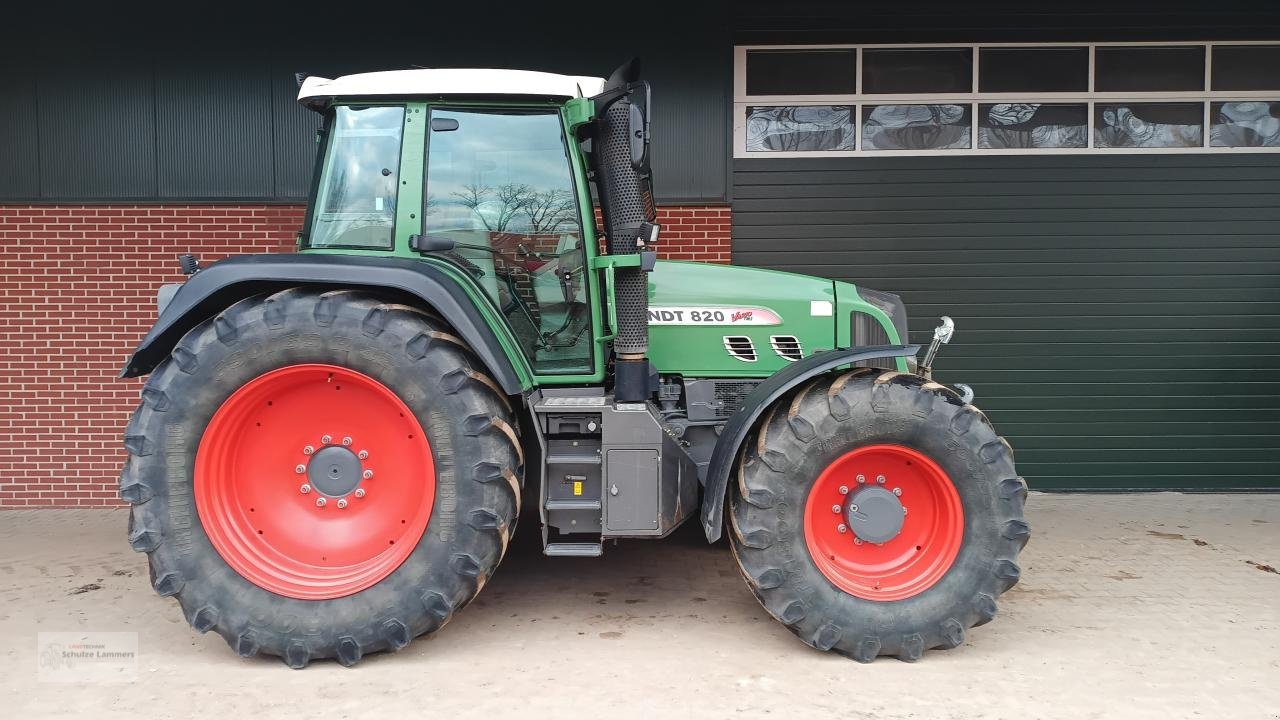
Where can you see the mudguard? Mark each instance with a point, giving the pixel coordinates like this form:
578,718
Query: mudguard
766,393
219,285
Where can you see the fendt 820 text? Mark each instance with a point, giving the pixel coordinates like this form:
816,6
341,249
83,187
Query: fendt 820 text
332,447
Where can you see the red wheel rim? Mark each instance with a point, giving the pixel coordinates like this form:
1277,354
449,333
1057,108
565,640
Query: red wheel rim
364,461
909,563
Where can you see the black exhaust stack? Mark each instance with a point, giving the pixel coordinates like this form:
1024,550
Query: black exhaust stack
620,161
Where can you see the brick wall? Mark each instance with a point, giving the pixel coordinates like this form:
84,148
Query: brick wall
77,292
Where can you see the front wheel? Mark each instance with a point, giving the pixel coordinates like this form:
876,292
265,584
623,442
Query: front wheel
876,513
321,475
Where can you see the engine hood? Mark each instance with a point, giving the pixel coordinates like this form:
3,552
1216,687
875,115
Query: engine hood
729,321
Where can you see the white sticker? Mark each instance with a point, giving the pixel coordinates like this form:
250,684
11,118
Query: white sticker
820,308
711,315
377,204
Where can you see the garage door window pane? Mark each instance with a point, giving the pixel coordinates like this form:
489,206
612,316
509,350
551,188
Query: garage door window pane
802,72
1053,69
1149,69
1250,123
924,70
800,128
1032,125
915,127
1148,125
1246,67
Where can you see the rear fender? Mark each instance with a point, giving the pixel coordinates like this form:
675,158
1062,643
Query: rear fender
766,393
221,284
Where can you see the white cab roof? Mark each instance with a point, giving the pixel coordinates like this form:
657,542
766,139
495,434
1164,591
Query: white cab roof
317,91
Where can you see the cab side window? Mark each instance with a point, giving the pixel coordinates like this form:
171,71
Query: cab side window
355,204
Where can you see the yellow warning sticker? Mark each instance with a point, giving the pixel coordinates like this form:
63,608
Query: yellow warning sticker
577,487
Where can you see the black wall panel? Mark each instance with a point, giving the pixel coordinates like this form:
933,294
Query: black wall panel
213,122
19,137
203,108
97,125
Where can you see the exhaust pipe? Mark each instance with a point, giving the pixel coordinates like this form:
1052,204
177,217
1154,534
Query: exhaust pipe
622,177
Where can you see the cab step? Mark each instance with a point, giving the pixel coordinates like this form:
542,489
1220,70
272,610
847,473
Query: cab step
574,549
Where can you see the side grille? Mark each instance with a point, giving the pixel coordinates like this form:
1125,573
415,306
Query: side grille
867,332
740,347
715,400
731,394
787,346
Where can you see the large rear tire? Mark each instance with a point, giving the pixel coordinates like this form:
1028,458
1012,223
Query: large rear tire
876,513
321,475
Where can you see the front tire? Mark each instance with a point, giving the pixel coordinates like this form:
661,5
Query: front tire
876,513
321,475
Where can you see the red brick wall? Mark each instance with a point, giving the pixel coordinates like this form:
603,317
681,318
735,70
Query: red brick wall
77,292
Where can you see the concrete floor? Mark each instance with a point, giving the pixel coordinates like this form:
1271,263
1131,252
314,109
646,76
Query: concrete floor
1132,606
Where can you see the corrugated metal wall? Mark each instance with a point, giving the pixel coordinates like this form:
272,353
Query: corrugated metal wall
204,110
1118,316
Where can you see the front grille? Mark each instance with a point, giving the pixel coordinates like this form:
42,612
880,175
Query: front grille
740,347
868,332
787,346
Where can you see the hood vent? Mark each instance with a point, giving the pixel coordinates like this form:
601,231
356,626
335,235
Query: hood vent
787,346
741,347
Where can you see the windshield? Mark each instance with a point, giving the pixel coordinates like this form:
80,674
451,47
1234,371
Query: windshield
355,204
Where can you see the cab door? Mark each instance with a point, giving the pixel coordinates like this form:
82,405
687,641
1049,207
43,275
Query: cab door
500,182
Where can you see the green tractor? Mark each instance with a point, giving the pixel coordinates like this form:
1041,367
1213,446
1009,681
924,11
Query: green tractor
332,447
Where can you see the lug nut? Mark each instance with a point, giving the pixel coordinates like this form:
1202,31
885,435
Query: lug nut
904,511
880,479
842,528
367,474
853,508
300,469
862,479
346,440
363,454
359,492
304,489
835,509
857,541
308,450
844,489
897,491
321,502
326,439
342,503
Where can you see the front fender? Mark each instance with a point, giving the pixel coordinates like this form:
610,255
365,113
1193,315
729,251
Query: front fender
216,287
766,393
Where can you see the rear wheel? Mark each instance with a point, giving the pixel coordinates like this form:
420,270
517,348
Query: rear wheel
320,475
876,513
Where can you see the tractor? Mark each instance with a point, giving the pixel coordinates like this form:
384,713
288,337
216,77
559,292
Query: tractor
333,445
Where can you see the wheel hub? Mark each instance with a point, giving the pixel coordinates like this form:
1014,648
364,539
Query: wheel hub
875,514
334,471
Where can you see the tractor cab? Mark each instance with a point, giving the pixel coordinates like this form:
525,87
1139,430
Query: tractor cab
476,168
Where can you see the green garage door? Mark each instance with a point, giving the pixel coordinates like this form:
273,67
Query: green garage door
1118,316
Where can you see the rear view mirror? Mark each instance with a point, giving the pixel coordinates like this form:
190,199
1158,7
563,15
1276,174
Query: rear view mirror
443,124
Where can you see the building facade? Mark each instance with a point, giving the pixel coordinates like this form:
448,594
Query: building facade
1090,193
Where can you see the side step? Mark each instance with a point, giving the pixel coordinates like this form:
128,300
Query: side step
574,549
553,505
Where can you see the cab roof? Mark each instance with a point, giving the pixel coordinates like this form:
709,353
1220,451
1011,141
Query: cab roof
317,92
